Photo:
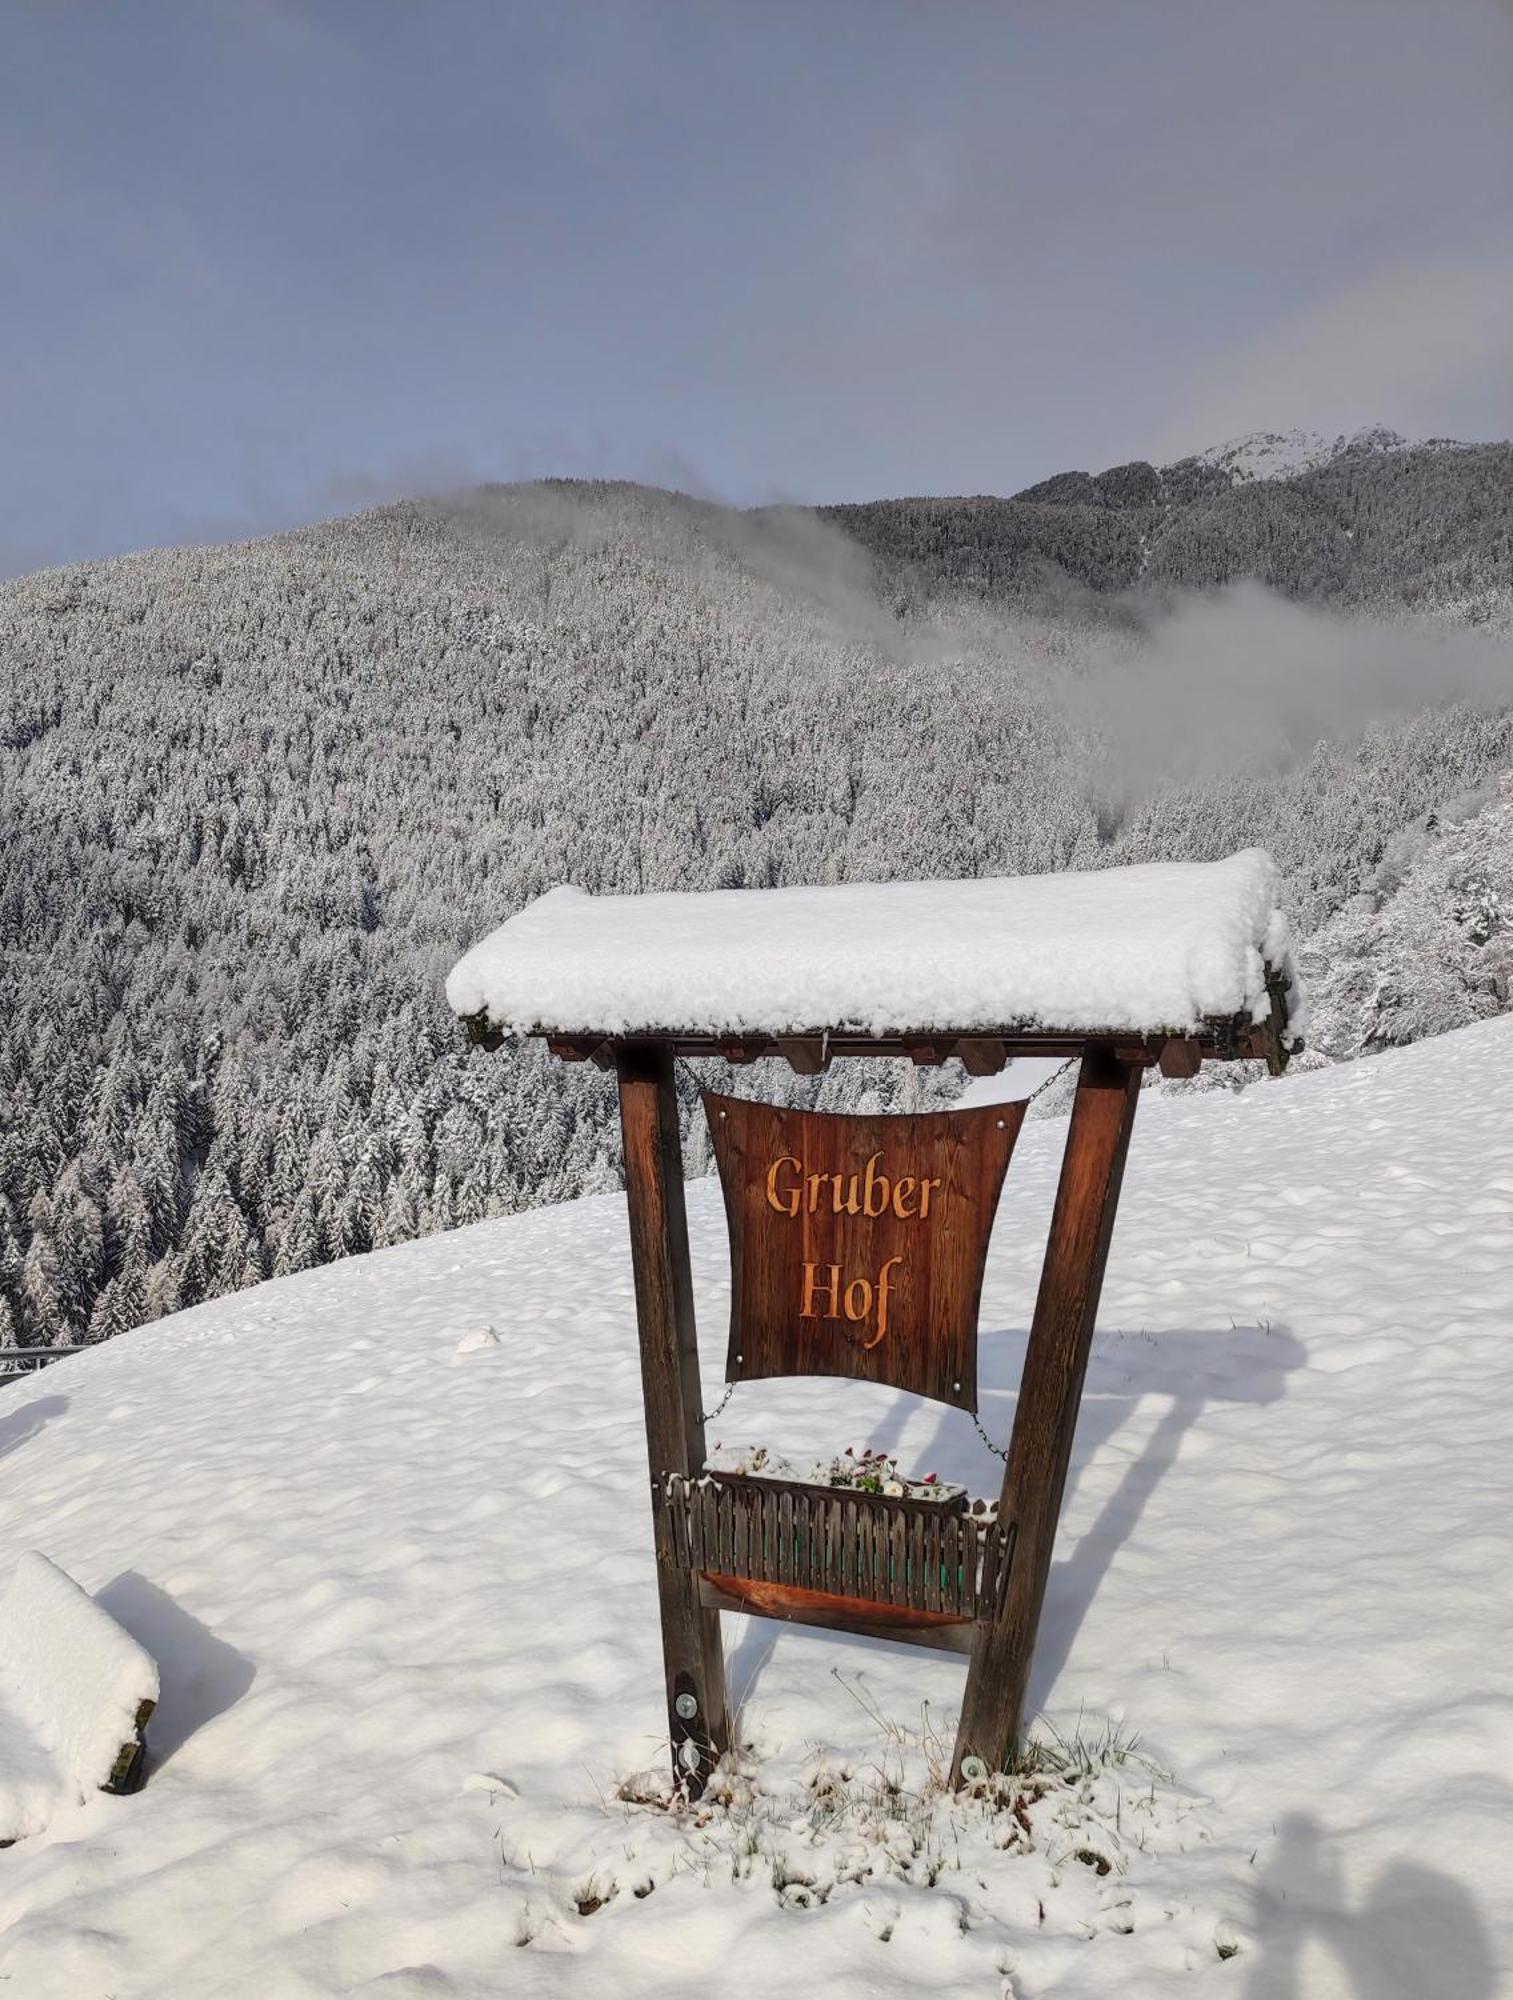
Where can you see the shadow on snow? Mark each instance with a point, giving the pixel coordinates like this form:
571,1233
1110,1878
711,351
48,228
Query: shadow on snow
1193,1368
201,1675
28,1420
1416,1935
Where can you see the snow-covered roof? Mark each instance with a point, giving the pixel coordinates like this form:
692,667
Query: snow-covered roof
1163,947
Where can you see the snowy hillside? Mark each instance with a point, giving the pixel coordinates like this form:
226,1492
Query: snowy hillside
254,801
1427,943
385,1527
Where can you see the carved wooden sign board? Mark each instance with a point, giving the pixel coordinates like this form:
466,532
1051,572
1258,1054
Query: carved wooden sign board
857,1244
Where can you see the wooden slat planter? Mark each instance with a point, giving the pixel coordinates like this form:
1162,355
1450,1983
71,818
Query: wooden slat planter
783,1549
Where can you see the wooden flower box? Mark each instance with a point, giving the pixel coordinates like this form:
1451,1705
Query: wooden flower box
925,1570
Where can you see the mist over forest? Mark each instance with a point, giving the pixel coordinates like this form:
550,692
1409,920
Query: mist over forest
255,800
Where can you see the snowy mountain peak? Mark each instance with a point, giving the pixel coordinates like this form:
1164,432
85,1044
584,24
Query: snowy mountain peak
1268,454
1286,454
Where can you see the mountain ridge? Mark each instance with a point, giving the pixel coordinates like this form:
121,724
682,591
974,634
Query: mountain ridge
1423,526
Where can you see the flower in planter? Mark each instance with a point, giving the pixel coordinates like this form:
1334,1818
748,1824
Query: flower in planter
850,1471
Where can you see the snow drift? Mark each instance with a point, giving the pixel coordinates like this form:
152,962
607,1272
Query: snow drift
72,1685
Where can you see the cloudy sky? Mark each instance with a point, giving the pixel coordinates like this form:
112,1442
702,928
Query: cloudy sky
262,260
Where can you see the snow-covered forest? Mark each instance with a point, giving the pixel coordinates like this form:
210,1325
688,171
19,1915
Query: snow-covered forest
255,800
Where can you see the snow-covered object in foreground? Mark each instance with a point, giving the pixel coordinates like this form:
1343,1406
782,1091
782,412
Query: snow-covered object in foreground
72,1689
1165,946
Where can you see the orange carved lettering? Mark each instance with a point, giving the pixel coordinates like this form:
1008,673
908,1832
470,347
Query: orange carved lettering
807,1308
785,1199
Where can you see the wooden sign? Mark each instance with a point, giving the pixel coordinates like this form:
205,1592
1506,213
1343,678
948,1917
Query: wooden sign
857,1244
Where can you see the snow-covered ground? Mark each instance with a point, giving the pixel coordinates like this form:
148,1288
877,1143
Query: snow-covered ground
397,1574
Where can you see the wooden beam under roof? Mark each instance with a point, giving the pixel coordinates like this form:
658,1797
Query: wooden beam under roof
981,1051
980,1055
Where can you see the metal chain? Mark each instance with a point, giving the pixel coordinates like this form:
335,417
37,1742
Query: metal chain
705,1416
1054,1077
1002,1451
998,1451
708,1416
1040,1089
682,1063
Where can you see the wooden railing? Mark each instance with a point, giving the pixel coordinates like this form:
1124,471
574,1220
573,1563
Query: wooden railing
16,1361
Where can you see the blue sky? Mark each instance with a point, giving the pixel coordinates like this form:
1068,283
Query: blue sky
262,261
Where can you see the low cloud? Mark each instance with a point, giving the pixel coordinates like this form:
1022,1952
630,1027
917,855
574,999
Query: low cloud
1151,692
1242,678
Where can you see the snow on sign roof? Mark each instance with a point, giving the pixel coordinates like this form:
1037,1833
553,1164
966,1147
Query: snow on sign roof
1168,946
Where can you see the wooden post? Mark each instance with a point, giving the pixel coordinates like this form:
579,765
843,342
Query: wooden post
695,1665
1050,1392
